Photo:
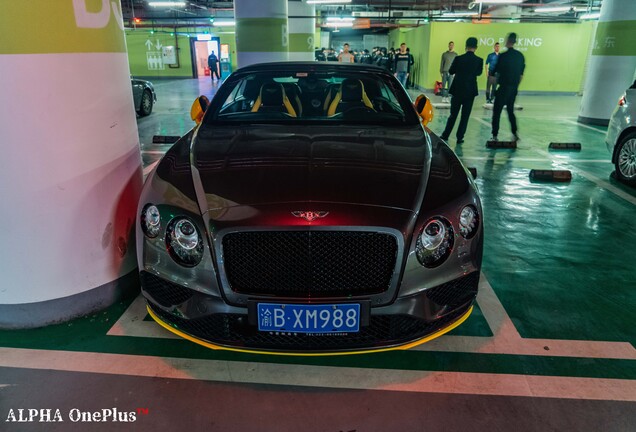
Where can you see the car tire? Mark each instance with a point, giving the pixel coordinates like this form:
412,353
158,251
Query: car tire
626,159
145,106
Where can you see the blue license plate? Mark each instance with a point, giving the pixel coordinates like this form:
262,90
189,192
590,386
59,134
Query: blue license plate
325,318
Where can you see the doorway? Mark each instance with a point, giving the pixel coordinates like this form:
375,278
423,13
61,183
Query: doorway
202,49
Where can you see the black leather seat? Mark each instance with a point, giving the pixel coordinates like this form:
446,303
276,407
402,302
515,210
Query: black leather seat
272,98
294,95
312,95
350,96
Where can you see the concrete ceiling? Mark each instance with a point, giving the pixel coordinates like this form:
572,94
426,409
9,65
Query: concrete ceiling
381,12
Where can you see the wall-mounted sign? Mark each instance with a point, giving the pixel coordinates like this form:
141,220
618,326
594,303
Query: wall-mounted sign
204,37
169,55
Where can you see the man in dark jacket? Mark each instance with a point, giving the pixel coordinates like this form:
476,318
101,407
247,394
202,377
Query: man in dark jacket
402,64
509,70
213,64
466,68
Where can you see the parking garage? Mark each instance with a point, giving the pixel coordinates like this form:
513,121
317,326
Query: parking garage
99,125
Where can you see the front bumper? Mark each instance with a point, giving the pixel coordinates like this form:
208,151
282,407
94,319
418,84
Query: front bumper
406,322
616,125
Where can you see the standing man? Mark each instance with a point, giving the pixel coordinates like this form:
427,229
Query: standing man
345,56
444,69
366,57
213,64
402,64
466,68
509,69
491,82
409,81
320,55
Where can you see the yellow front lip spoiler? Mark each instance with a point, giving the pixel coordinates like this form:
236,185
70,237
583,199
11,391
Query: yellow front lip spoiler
375,350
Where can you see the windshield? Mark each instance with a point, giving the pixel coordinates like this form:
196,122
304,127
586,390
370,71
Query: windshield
329,97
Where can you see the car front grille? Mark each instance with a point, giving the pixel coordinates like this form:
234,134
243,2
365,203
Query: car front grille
456,292
309,263
164,292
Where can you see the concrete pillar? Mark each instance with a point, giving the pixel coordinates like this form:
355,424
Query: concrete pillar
613,63
70,166
301,31
261,31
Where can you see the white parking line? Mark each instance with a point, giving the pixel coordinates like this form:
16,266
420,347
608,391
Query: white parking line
482,121
604,184
331,377
131,323
568,164
575,123
490,158
506,339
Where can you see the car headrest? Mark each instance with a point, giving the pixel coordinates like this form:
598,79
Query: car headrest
252,87
272,94
372,89
311,84
351,90
291,89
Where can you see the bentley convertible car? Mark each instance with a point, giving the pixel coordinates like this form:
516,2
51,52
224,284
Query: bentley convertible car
310,212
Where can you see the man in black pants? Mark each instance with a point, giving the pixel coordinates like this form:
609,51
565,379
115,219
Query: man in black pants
509,69
466,68
213,64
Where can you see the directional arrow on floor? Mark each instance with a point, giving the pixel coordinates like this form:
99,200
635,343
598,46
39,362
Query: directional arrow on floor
148,44
158,45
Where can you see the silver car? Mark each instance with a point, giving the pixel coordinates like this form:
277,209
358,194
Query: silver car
144,96
621,137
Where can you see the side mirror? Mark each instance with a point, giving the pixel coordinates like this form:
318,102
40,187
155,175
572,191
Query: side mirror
199,106
424,108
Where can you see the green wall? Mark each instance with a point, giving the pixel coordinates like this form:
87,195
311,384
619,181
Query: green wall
140,53
417,40
555,53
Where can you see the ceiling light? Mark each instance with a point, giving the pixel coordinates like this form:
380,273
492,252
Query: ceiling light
224,23
499,1
339,24
328,1
167,3
340,19
590,16
586,9
458,14
553,9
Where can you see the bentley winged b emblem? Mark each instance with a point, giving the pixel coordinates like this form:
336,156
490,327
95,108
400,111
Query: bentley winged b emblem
310,215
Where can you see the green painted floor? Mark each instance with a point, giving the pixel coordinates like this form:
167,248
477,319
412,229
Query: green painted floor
559,258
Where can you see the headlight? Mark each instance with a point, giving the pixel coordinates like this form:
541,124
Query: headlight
435,242
151,221
468,221
184,242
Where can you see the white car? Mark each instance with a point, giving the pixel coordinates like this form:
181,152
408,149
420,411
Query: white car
621,137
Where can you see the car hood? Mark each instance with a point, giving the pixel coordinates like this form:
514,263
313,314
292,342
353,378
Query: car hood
261,165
